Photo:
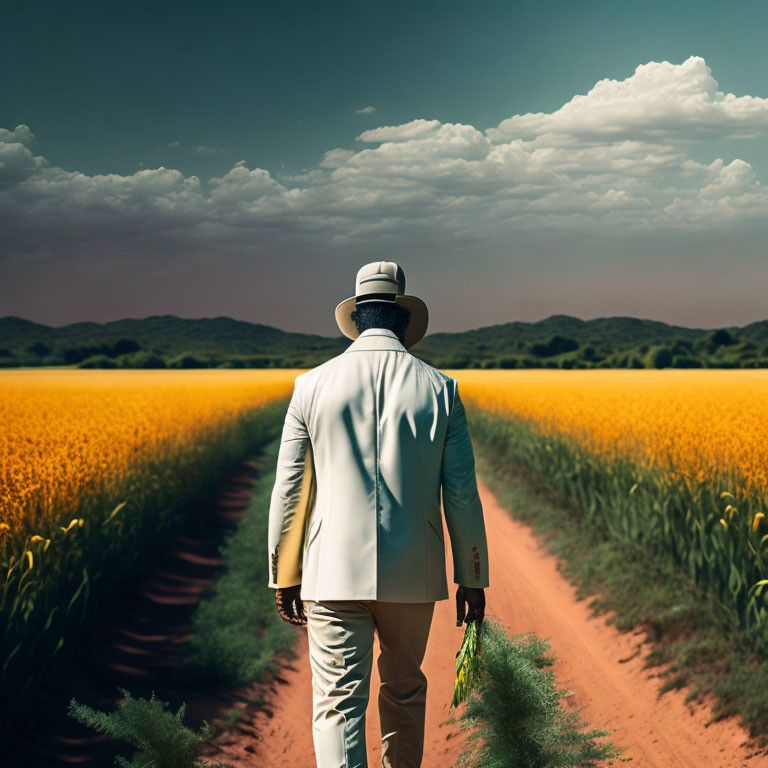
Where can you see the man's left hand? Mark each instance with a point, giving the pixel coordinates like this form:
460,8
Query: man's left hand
290,606
470,605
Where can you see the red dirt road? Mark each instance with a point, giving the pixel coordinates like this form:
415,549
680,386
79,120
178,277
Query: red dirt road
600,665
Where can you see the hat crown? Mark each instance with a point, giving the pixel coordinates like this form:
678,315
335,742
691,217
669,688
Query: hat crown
380,277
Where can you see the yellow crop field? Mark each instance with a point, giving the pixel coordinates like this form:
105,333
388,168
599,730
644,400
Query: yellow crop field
672,461
96,468
66,434
697,422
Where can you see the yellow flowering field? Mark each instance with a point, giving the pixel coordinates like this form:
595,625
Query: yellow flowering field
97,467
67,433
674,462
700,422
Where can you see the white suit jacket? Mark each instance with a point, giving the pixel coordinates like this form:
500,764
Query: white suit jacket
370,439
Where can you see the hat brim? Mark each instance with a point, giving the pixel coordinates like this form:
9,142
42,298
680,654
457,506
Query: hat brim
417,325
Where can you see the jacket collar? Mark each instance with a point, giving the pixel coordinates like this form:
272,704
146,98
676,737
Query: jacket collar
376,338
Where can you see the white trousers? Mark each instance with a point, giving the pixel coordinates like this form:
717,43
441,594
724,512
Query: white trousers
340,637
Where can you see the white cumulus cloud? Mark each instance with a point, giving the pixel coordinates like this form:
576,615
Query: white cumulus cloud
660,101
202,149
416,129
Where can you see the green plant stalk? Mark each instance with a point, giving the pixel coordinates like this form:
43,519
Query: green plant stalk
467,663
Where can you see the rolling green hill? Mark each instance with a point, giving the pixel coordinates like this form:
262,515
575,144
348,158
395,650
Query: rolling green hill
171,334
559,341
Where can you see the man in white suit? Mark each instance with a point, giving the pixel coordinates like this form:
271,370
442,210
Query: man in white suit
371,439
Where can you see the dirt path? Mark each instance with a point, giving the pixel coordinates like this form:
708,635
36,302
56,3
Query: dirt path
602,667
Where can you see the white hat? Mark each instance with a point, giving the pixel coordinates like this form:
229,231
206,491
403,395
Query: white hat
383,281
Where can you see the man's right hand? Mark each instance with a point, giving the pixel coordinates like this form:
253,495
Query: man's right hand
289,605
470,605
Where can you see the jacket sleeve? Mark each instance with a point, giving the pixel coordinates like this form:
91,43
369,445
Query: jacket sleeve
461,501
292,497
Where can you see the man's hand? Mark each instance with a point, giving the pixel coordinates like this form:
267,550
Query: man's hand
290,606
472,598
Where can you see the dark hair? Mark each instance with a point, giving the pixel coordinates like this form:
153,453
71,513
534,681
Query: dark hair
382,314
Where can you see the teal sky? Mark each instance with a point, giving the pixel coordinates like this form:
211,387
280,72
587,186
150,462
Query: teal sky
205,89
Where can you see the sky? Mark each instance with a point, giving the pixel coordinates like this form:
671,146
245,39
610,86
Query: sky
517,159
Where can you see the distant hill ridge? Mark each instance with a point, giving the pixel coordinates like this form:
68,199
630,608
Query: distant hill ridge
167,332
215,340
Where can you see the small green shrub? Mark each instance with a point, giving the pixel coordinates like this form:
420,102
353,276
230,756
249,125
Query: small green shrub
515,710
159,736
